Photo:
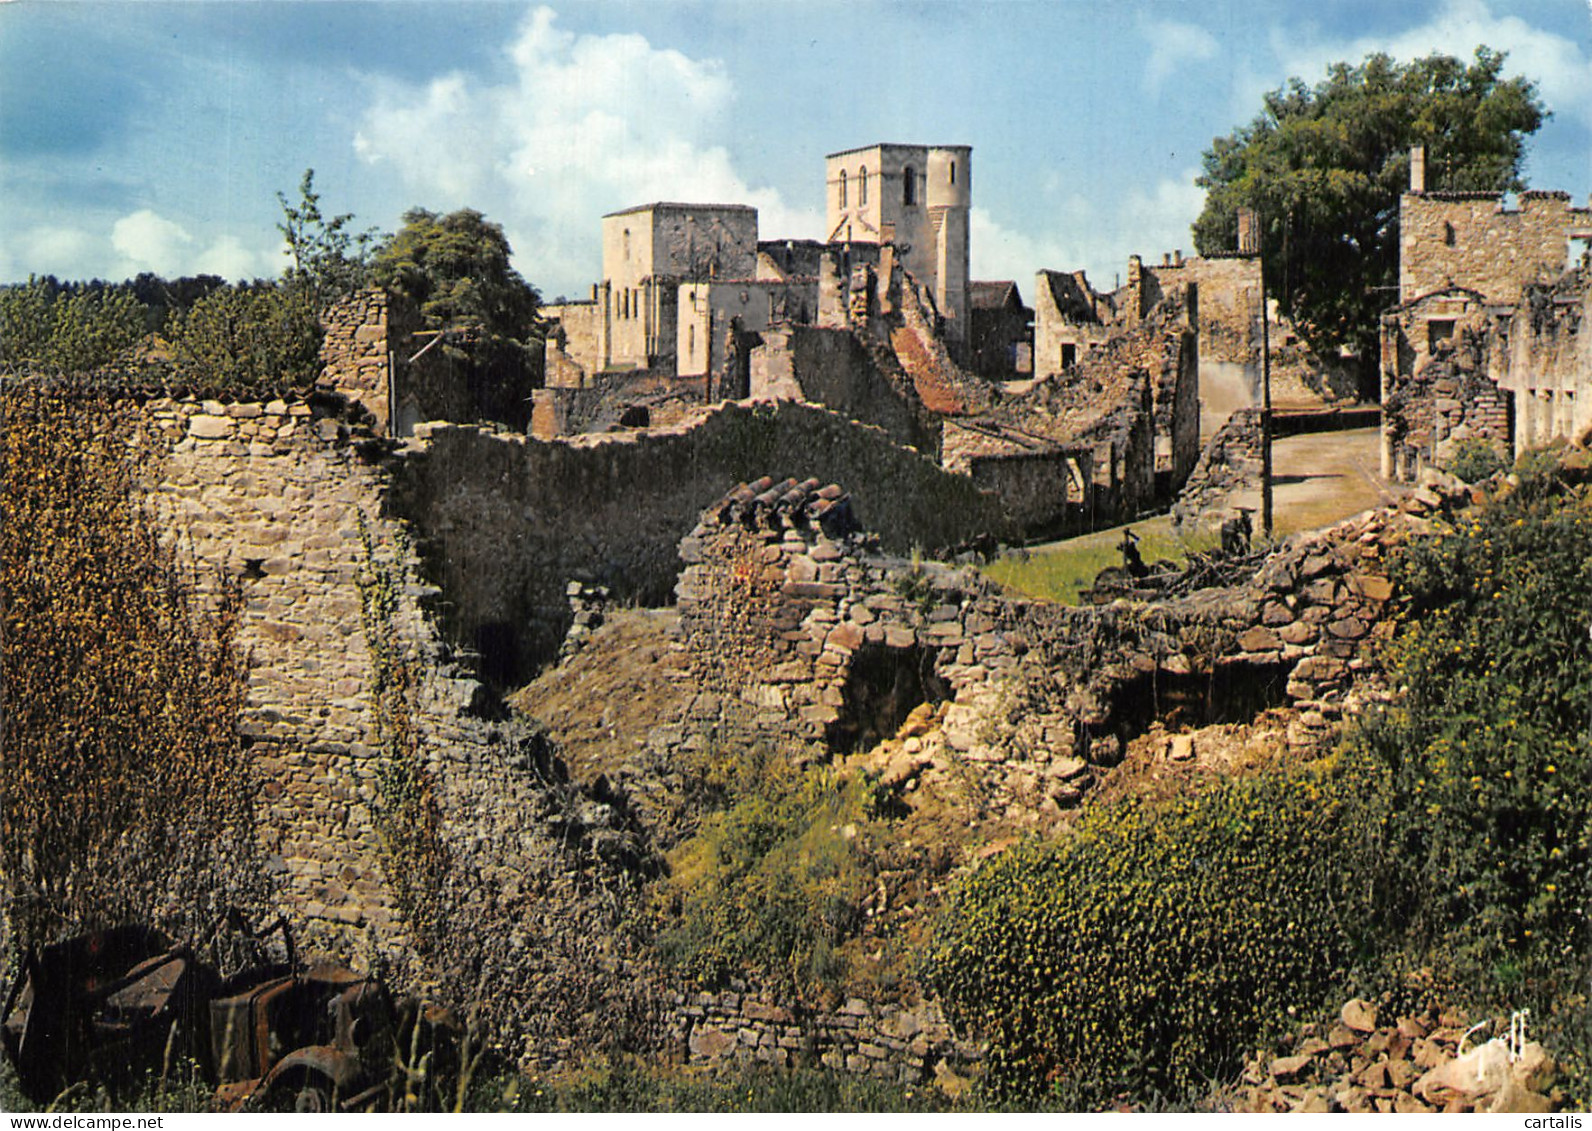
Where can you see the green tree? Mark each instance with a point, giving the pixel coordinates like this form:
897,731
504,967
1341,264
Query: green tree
329,260
1324,167
455,270
248,340
48,328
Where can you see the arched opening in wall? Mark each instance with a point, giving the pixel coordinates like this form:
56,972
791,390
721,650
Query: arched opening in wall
882,688
1229,693
498,646
909,186
842,188
862,186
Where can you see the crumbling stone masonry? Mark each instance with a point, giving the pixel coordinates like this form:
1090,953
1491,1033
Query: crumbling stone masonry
800,634
285,497
506,521
1486,343
904,1044
1227,477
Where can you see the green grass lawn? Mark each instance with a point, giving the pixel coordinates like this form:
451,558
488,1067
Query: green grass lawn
1060,570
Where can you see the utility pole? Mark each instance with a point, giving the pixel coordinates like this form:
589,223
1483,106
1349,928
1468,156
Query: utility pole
1265,407
1250,243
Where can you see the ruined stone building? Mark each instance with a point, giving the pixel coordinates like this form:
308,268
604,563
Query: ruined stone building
918,198
1486,341
1000,342
881,325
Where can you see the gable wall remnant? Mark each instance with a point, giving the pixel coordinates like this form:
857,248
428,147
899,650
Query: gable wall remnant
1472,240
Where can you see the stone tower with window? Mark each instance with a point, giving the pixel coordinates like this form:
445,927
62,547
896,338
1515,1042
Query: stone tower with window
916,197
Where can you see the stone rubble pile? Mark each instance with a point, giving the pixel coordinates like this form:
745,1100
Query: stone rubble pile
1425,1063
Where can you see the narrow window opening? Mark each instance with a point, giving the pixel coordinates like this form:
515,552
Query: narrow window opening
953,172
842,188
862,186
909,186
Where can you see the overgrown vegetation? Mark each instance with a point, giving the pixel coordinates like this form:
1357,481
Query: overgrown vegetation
773,882
1143,953
1473,460
1148,951
407,816
124,789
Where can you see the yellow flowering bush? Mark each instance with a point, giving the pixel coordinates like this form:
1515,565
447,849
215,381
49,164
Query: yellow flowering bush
1146,951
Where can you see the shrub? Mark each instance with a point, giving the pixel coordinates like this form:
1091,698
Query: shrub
47,329
247,341
1474,460
1480,776
1149,949
771,886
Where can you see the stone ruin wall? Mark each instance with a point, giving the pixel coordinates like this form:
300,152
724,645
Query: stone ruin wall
785,608
1228,287
1543,356
1472,240
508,521
1516,377
901,1043
275,495
272,495
783,602
1227,476
837,369
356,358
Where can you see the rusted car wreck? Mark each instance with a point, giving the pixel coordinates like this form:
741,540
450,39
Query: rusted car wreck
114,1005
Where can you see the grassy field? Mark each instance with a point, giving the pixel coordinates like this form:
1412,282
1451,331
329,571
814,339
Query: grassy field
1060,570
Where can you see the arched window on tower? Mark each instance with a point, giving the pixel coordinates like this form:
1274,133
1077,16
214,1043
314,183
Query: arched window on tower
842,188
909,186
952,174
862,186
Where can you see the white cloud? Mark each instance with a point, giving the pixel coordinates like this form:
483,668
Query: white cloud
228,258
150,242
147,241
1561,66
1093,233
584,124
1172,45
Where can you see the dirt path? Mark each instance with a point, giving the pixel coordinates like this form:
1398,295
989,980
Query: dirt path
1325,476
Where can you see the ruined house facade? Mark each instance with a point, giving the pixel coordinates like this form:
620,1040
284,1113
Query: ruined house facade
1224,292
1486,343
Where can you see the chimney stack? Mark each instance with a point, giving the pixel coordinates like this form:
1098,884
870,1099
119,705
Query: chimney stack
1417,168
1248,235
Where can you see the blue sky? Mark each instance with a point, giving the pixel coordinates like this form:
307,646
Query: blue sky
154,136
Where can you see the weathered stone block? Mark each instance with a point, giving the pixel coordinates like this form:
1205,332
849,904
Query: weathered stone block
205,427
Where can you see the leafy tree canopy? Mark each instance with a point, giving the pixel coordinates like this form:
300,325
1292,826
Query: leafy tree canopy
455,269
328,259
1324,167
